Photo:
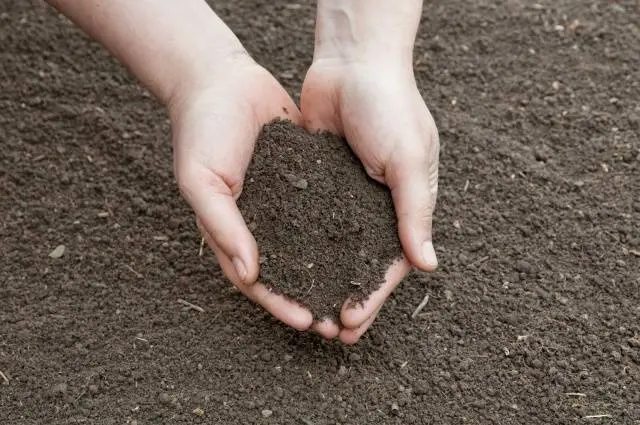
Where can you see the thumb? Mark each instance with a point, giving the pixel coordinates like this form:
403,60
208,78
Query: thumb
217,212
413,180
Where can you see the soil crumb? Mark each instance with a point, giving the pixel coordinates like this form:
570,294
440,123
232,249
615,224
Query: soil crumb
326,231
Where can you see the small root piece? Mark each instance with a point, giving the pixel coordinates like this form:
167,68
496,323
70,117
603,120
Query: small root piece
313,282
478,261
133,271
420,307
190,305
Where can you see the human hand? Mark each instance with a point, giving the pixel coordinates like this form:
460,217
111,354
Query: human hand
215,125
218,101
376,105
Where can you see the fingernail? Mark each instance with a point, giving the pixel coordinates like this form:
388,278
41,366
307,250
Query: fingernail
240,268
429,254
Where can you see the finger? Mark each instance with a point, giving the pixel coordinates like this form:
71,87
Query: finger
327,328
354,315
287,311
220,217
352,336
414,186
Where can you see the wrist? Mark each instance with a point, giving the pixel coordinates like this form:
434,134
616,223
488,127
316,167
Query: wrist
210,69
356,31
215,72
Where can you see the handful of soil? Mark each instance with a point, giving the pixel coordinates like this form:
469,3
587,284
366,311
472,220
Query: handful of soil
325,230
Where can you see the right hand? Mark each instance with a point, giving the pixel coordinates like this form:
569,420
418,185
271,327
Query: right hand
376,105
215,125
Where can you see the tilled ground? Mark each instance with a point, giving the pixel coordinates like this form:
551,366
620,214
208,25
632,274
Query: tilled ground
533,316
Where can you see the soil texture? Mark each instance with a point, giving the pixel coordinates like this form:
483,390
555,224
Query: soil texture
325,230
533,314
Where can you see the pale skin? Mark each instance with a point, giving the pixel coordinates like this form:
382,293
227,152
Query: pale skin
360,85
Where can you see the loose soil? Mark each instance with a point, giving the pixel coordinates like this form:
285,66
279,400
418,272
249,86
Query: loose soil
325,230
534,312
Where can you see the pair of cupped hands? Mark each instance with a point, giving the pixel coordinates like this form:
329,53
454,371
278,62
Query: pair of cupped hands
374,103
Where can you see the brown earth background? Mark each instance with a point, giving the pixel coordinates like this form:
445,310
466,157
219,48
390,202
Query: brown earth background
533,315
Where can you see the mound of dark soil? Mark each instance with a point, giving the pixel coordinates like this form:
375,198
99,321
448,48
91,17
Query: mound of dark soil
325,230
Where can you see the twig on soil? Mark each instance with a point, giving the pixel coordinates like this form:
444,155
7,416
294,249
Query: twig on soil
466,186
133,271
190,305
354,283
313,282
478,261
422,305
634,252
201,251
576,394
606,415
4,377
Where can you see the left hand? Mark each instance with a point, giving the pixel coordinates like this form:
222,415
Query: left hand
378,108
215,123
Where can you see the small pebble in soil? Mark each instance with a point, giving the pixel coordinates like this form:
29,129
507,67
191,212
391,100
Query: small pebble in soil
164,398
342,371
542,153
523,267
480,404
355,357
58,252
476,246
634,342
465,364
395,409
266,413
298,182
448,295
59,389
